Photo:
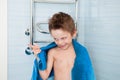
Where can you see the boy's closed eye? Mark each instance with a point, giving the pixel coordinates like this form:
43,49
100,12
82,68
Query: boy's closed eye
63,38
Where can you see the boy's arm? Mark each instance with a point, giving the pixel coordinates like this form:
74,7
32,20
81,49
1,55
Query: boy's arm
45,73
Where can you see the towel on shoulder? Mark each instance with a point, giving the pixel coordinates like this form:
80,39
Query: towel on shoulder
82,69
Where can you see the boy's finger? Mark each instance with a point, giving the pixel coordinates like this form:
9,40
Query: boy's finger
35,44
30,45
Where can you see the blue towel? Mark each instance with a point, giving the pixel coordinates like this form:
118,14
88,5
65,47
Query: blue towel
82,69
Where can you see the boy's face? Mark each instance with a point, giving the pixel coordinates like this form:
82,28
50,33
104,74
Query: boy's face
62,38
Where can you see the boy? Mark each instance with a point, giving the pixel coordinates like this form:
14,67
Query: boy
64,57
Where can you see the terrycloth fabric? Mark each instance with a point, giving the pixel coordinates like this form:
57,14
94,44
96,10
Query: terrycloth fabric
82,69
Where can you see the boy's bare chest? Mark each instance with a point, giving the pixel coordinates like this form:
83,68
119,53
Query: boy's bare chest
64,60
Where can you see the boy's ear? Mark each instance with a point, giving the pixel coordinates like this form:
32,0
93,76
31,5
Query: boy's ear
75,33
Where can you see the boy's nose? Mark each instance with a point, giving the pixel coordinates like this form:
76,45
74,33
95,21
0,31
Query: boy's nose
60,42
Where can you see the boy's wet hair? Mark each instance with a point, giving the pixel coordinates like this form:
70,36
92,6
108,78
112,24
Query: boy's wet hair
62,21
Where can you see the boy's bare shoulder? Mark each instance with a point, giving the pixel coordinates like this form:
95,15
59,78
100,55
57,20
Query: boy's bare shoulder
52,51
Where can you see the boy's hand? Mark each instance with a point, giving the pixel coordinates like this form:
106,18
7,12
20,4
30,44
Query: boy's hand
35,48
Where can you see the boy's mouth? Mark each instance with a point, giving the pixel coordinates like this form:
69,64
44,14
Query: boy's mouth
62,46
